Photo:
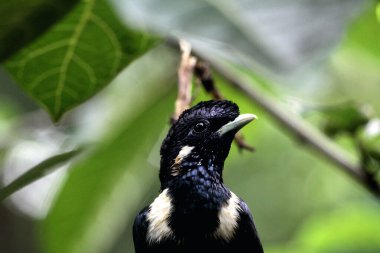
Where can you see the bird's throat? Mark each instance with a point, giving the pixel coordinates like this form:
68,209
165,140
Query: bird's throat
197,197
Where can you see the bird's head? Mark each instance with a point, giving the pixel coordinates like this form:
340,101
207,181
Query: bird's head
201,136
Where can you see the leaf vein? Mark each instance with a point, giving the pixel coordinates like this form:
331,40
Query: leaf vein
112,37
88,69
70,53
38,52
37,81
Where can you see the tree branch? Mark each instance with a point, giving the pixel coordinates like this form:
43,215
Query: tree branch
185,75
300,130
296,126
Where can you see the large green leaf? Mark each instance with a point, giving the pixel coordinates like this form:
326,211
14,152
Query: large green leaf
23,20
103,190
77,57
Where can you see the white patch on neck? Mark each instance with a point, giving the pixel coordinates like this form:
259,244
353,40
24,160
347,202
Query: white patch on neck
185,151
158,216
228,218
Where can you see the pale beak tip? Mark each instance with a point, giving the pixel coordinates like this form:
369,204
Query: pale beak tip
248,117
238,123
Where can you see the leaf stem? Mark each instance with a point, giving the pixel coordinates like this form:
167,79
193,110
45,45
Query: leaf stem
37,172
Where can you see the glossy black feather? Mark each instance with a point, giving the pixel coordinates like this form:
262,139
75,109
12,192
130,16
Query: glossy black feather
245,240
193,184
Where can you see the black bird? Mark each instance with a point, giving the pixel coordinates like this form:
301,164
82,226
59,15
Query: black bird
195,211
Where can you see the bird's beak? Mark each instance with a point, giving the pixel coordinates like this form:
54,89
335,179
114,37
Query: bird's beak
237,123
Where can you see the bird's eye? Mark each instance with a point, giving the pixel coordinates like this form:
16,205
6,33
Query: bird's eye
200,127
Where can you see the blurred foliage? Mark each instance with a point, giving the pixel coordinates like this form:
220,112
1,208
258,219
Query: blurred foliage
277,38
35,173
355,65
111,183
346,230
300,52
369,146
369,138
347,117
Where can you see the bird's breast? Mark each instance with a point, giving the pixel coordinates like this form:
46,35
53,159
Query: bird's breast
203,211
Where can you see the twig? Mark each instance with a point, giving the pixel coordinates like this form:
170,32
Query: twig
203,72
185,74
296,126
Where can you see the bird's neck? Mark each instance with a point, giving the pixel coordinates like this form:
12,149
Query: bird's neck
195,172
198,181
197,197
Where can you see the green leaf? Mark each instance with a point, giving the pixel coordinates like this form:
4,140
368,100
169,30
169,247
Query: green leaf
77,57
346,117
35,173
103,192
369,138
23,21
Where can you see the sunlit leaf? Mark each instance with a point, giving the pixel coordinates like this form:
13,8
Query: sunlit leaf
23,20
77,57
369,138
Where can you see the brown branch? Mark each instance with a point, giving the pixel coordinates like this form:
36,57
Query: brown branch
185,75
204,74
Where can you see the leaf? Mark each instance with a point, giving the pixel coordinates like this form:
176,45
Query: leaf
103,192
77,57
23,21
35,173
346,117
369,138
281,37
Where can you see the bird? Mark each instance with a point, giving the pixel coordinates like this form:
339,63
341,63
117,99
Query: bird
194,210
